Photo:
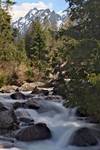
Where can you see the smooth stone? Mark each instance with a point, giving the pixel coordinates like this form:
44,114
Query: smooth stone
83,137
17,95
39,131
7,119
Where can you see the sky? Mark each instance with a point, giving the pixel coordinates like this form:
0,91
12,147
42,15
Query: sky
23,6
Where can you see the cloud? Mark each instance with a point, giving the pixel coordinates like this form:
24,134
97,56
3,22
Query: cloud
20,10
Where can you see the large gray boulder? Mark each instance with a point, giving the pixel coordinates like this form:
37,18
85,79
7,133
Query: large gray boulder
83,137
26,120
30,104
17,105
38,131
7,119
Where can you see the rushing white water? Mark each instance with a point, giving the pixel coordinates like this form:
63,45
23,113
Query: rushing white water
61,121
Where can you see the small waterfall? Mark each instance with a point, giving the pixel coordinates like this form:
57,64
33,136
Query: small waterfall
65,137
61,121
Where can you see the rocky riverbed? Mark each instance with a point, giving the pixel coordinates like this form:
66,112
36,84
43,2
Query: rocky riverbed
38,120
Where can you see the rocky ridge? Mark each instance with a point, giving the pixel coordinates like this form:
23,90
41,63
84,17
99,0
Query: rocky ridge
45,16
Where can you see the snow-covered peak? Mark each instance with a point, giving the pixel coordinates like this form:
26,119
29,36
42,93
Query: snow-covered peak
54,19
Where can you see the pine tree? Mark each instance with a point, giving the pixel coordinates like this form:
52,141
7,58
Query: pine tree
9,3
7,48
86,14
82,49
35,44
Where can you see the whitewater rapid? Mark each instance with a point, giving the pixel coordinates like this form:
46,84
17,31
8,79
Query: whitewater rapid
61,121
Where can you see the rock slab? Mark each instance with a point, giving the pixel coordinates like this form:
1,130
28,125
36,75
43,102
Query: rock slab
83,137
38,131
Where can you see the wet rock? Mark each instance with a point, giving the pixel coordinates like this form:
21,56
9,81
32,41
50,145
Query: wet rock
32,104
23,116
26,120
17,105
39,131
18,95
56,98
35,90
8,119
29,104
44,92
7,139
83,137
79,113
86,117
2,107
22,113
96,131
93,120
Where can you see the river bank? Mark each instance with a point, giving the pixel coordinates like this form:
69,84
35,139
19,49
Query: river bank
24,87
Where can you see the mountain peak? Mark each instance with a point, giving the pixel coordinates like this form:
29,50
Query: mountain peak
44,15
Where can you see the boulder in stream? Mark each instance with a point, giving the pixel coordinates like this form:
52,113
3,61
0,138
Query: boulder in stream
32,104
26,120
79,113
38,131
17,105
35,90
7,119
18,95
29,104
2,107
45,92
83,137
